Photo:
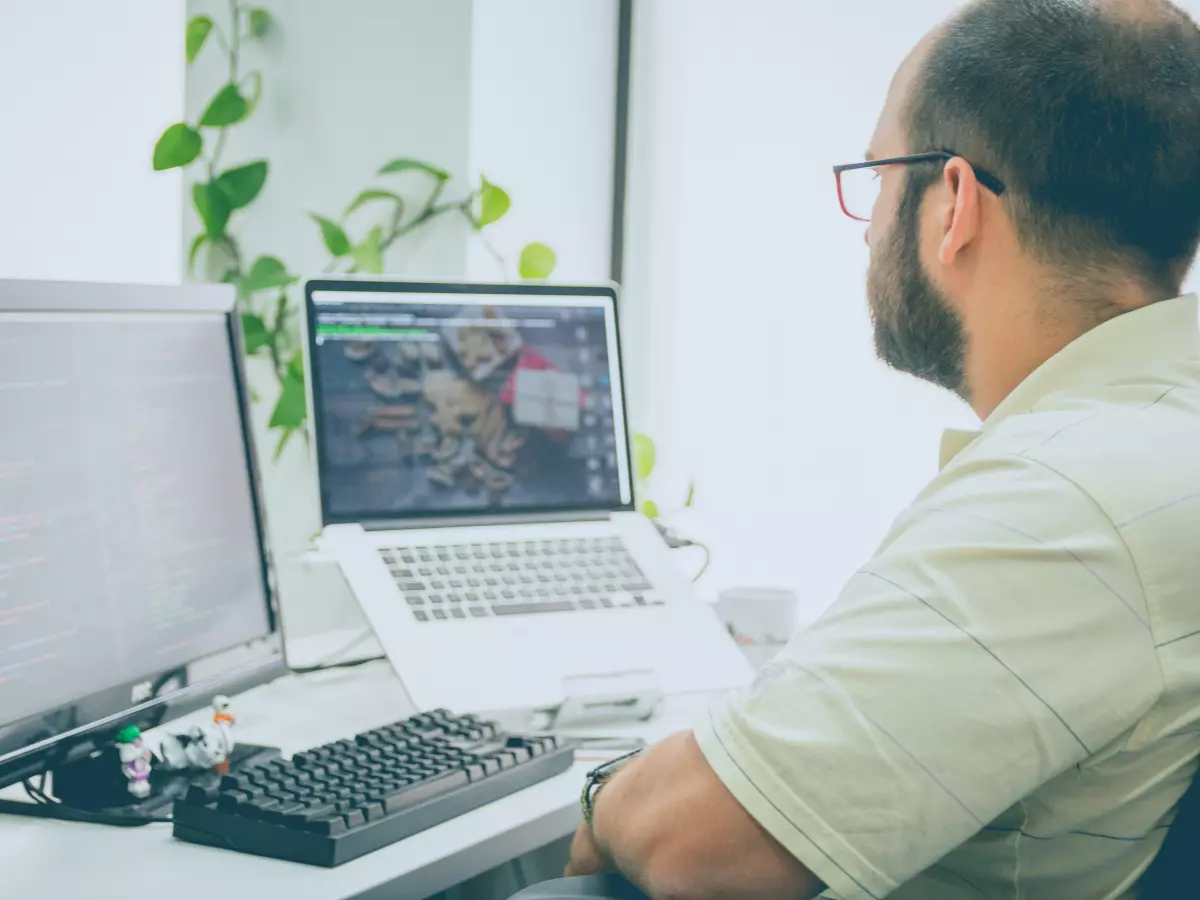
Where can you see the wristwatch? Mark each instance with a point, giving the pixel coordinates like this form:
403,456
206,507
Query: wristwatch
597,778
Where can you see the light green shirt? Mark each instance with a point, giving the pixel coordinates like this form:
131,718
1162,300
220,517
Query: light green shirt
1004,702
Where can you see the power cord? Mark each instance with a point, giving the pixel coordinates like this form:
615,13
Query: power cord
54,808
324,663
674,542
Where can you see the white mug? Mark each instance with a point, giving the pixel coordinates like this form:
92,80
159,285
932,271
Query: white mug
760,620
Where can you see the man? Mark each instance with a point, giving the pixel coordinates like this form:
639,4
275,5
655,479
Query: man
1005,701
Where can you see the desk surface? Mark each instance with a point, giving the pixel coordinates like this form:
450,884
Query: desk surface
45,858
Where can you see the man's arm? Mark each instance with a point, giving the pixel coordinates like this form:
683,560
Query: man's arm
667,823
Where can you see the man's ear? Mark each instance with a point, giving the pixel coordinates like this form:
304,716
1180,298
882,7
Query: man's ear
960,215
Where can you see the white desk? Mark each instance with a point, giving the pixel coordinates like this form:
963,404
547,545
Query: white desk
48,859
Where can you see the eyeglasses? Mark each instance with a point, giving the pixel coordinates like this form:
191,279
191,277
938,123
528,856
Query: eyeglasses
858,183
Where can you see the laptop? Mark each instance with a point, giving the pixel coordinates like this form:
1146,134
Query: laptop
476,491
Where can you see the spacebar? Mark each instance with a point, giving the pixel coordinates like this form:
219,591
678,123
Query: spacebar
516,609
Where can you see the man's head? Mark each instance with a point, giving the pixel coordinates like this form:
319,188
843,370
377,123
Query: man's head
1088,111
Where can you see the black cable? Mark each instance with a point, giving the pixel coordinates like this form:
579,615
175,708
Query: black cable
52,807
308,670
322,665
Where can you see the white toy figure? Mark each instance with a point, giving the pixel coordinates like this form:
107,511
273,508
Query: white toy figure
206,747
223,722
171,754
135,760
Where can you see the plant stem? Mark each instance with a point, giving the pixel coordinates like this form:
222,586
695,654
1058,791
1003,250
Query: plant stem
235,42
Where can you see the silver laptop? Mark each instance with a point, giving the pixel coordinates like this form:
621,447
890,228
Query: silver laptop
475,477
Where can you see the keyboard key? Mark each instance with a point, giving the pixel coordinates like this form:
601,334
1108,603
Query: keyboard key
439,614
418,793
478,612
420,616
517,609
326,825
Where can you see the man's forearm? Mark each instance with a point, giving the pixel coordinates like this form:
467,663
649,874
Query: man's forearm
667,824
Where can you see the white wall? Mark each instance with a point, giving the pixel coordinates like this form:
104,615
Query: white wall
746,315
85,90
543,111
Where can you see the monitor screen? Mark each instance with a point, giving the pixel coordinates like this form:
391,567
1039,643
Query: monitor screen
129,539
436,402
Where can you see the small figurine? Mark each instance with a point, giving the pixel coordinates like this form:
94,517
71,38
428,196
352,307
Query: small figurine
223,722
205,748
171,754
135,760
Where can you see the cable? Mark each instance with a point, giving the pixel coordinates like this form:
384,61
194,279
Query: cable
674,542
350,664
324,663
707,560
52,807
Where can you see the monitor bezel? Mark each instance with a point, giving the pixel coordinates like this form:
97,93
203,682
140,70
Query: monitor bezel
74,729
391,518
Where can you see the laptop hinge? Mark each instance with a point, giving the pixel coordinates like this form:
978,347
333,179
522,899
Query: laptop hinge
477,520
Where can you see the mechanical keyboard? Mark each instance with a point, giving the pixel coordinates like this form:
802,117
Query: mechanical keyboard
504,578
331,804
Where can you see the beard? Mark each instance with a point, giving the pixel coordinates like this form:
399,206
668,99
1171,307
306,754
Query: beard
916,331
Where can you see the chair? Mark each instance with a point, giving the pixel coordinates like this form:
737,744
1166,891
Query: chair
1175,867
589,887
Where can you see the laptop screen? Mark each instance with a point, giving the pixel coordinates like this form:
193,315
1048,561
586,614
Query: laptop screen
443,400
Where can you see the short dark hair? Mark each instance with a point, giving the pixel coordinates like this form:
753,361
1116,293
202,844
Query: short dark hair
1089,114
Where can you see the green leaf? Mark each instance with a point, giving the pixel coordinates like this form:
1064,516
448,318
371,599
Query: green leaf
241,185
195,35
368,255
226,108
213,207
178,146
493,204
335,238
267,272
373,194
284,438
649,509
254,333
404,164
291,408
644,455
196,245
260,22
537,261
691,495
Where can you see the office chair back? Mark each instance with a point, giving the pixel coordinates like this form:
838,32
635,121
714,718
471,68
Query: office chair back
1175,872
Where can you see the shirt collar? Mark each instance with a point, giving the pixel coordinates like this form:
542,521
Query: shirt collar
1124,345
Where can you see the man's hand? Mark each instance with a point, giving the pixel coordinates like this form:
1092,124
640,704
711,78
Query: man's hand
585,855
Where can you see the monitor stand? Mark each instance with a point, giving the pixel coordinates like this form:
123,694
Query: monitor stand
93,789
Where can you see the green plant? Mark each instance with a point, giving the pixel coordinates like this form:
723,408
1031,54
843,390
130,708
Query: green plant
221,195
645,455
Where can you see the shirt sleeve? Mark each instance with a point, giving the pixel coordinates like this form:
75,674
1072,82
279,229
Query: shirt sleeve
998,637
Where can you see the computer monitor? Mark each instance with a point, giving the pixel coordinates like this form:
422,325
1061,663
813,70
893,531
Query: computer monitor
133,578
436,400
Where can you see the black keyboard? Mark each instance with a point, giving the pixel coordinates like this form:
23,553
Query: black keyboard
334,803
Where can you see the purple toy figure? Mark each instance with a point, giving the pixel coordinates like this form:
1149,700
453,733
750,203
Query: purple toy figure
135,760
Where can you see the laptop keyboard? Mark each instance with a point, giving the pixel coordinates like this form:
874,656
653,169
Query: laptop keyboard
474,581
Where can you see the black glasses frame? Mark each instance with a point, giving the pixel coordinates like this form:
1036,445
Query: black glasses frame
986,178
